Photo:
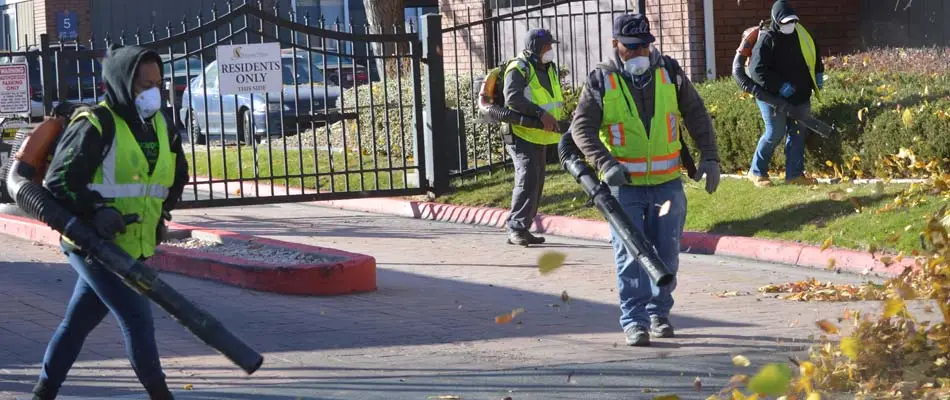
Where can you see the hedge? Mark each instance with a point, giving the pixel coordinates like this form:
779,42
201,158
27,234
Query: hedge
875,113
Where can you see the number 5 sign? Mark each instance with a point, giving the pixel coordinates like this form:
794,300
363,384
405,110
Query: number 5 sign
67,25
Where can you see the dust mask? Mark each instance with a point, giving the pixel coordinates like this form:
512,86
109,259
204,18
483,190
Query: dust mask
788,28
637,65
547,57
148,103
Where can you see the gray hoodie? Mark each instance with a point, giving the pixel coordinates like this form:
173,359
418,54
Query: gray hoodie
590,110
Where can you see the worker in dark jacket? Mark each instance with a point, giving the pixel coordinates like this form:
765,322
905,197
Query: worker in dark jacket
126,195
786,62
532,88
628,123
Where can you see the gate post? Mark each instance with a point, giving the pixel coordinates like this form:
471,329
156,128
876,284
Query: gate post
46,74
435,131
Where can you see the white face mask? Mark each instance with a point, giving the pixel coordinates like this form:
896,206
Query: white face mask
148,103
637,66
547,57
787,28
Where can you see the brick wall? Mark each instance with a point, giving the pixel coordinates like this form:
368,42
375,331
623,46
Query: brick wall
678,26
45,16
464,46
835,24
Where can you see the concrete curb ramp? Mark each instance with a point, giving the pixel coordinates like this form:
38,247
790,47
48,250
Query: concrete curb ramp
349,273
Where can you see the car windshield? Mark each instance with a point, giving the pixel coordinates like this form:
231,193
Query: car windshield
183,66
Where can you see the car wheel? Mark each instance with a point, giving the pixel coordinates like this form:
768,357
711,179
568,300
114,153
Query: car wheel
195,129
245,134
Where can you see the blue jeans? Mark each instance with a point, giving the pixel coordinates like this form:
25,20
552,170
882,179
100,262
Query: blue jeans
639,296
776,127
98,292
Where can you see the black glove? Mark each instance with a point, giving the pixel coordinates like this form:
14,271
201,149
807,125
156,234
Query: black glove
108,222
709,168
615,174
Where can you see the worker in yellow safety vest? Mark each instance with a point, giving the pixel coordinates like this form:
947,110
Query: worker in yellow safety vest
121,169
532,88
628,123
785,61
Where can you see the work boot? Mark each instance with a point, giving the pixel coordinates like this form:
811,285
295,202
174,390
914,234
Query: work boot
802,180
44,391
523,238
760,181
660,327
637,336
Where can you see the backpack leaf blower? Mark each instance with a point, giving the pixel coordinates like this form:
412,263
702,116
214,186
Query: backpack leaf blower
636,243
32,197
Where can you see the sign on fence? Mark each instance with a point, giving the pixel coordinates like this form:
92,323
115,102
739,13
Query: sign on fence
250,68
14,89
67,25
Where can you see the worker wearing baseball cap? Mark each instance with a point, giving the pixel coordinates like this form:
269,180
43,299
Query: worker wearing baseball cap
785,62
628,122
532,88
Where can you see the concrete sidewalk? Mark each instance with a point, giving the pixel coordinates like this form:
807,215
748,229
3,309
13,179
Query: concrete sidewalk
429,329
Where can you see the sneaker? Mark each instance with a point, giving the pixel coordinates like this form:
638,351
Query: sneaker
660,327
523,238
760,181
637,336
802,180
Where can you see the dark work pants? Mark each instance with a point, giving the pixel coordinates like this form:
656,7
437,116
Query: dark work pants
529,161
98,292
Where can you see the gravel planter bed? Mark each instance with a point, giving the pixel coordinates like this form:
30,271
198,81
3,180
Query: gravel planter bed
249,250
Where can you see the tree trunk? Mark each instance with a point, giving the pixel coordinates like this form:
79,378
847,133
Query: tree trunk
386,16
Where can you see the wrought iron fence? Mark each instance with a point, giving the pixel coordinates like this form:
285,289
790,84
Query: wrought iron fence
483,38
348,122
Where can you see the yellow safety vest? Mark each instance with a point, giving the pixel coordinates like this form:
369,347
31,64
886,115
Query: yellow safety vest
124,181
650,160
537,94
810,53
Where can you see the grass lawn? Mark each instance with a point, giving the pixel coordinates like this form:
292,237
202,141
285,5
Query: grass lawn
786,212
284,166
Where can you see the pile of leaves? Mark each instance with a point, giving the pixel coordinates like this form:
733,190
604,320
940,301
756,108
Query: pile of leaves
813,290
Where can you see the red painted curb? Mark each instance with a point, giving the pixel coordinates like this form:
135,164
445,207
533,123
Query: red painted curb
352,273
767,250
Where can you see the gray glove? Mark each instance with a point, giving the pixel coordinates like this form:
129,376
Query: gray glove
616,175
710,168
108,222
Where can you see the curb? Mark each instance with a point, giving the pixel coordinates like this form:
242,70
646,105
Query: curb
352,273
765,250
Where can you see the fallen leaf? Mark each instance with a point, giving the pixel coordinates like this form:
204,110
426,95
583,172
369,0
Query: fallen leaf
189,387
827,327
771,380
741,361
849,347
908,117
831,263
508,317
892,307
667,397
827,243
550,261
698,384
665,208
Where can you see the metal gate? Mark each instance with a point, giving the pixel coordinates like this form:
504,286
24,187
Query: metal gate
347,124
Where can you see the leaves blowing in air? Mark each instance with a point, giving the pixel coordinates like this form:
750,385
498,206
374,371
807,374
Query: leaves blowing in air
550,261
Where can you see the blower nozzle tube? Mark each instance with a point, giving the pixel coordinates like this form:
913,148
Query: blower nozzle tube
40,204
631,237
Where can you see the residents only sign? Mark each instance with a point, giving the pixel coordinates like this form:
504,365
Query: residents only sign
14,89
249,68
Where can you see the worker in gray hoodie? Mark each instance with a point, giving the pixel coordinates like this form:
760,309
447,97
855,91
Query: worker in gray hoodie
628,123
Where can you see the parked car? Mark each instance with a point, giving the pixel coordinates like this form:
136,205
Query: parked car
211,115
179,69
332,68
83,82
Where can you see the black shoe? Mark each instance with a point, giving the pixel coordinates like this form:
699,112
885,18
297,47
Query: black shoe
661,327
523,238
44,391
637,336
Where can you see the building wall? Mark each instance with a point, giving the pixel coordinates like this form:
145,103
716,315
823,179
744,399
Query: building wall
835,25
44,12
678,26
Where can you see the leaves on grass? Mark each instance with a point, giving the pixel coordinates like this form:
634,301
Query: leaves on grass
550,261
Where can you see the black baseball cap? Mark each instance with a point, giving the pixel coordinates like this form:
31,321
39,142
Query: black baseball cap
538,38
633,29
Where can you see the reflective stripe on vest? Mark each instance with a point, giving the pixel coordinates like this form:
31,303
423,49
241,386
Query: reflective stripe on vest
649,159
810,54
537,94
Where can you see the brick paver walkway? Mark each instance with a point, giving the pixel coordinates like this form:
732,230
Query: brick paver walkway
429,328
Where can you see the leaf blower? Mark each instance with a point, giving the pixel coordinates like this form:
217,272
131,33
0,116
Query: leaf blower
636,243
749,37
23,184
